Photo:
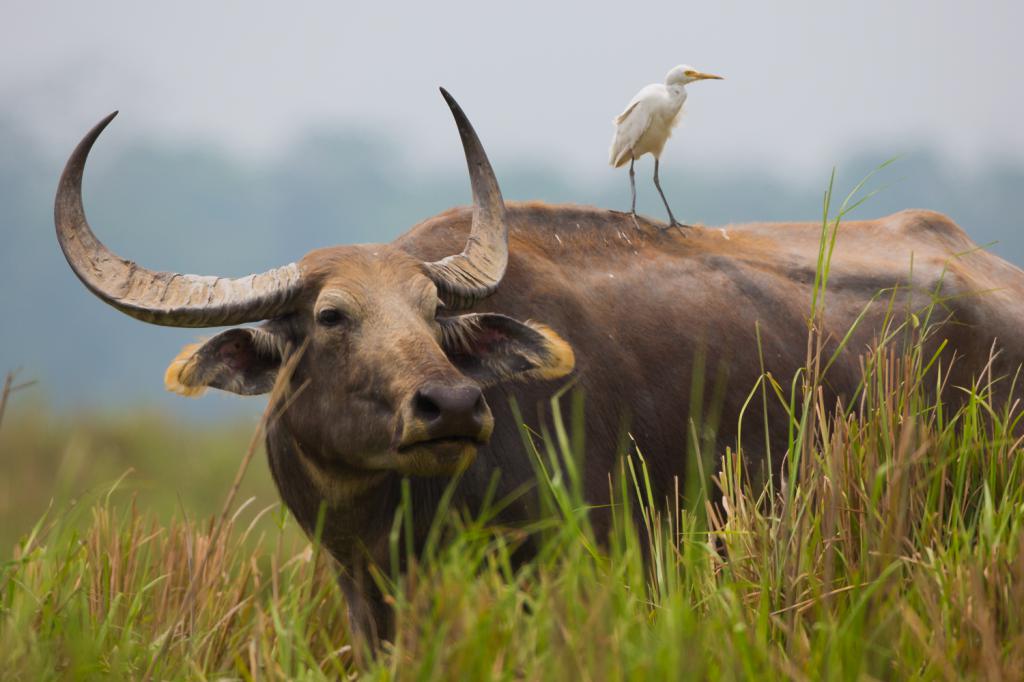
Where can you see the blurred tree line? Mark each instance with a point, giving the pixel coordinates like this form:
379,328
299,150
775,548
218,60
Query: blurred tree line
193,208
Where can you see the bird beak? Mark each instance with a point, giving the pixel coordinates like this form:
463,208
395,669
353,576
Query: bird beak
706,76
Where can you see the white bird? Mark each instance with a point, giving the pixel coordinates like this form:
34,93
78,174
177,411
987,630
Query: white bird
647,123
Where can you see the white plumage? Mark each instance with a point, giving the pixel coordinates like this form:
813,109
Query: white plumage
647,122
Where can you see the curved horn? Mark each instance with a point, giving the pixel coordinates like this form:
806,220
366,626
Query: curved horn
476,272
166,298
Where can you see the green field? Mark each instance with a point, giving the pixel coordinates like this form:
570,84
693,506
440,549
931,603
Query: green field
893,549
899,554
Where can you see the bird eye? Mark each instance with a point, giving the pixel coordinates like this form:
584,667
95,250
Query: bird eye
330,317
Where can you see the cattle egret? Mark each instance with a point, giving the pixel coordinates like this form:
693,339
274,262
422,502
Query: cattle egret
647,123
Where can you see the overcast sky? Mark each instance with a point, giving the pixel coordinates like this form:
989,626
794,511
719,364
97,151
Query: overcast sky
806,82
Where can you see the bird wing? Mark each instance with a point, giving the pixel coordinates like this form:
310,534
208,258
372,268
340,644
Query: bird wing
622,117
630,126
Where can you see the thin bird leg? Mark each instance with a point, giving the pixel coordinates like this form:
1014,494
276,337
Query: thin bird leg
672,219
632,188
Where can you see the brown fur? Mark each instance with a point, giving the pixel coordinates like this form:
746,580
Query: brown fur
635,315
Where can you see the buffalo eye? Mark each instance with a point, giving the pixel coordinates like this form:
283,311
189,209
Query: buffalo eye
330,317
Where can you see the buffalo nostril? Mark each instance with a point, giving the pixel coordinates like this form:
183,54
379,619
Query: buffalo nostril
424,407
450,411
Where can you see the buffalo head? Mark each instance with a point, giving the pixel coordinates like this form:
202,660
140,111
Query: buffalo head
392,375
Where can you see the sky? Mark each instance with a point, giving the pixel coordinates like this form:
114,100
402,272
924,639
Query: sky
806,81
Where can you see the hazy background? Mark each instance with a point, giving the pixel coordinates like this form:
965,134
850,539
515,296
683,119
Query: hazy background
252,132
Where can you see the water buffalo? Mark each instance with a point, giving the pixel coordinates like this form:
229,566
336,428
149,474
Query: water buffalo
412,349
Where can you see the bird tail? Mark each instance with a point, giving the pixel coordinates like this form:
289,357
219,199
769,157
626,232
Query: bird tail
617,158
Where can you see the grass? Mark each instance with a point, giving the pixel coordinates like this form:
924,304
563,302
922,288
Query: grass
892,548
53,461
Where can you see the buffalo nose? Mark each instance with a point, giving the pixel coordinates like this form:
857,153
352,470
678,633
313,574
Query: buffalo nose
450,411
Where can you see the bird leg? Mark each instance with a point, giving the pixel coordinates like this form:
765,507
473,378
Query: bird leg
672,219
632,188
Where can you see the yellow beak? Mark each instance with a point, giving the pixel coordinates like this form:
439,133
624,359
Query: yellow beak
706,76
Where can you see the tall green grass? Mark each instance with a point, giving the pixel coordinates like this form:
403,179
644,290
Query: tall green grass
892,547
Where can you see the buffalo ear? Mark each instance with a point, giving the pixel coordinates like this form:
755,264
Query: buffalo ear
490,348
243,361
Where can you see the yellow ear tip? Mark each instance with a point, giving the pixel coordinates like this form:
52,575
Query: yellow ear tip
179,373
562,358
